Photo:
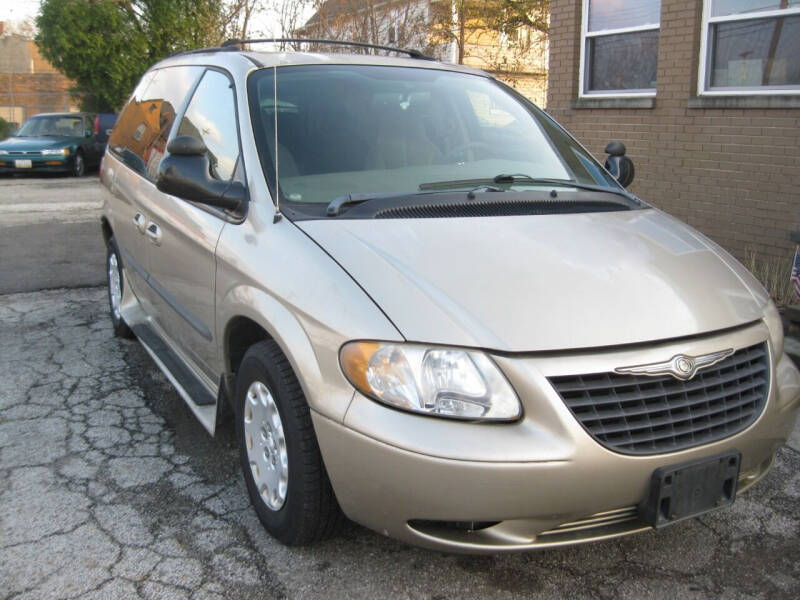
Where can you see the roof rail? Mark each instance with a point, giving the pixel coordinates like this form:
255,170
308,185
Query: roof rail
201,51
410,52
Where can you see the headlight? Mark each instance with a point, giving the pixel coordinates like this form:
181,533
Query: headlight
443,382
59,151
775,325
3,151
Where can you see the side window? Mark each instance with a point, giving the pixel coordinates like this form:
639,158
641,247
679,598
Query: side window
140,135
211,116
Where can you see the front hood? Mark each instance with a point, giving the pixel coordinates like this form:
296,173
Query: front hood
27,144
546,282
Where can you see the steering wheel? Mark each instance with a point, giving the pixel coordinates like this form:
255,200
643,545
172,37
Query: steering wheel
470,147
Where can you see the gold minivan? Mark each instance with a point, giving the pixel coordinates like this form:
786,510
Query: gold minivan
428,308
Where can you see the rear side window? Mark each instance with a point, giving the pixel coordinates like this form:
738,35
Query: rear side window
211,116
140,135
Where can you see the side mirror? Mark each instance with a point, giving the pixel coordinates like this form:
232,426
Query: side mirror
184,172
619,165
87,133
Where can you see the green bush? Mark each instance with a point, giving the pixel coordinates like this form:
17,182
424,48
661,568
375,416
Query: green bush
6,128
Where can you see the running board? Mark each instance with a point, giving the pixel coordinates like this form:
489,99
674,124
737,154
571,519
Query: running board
200,400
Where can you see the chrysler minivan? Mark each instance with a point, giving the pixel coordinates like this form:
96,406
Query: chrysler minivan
428,308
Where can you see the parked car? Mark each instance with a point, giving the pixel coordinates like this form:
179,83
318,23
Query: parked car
103,124
429,308
52,142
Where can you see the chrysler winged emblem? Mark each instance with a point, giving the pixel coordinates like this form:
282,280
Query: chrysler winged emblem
680,366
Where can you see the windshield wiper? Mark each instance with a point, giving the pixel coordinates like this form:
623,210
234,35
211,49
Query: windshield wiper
514,177
521,177
337,204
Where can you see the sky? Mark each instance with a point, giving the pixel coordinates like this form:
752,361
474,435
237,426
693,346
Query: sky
18,10
13,11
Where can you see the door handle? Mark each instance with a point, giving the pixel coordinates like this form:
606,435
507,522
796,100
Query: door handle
154,233
140,222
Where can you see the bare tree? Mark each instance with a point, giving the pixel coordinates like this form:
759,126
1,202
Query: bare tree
500,33
393,22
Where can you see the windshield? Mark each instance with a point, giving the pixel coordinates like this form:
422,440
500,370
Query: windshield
58,126
357,129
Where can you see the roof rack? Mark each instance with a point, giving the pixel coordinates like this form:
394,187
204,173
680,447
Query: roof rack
202,51
410,52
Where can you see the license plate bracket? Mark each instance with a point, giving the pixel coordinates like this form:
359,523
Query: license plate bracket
690,489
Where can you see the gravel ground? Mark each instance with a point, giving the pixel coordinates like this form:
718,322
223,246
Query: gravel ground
110,489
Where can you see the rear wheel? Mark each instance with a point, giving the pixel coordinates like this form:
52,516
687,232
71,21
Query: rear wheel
115,283
280,457
78,164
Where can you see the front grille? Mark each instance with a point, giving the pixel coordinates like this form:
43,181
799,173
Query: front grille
24,152
636,414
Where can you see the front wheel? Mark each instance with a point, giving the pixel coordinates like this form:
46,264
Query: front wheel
115,283
280,457
78,165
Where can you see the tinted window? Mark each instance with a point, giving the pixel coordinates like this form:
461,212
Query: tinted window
140,135
211,116
371,130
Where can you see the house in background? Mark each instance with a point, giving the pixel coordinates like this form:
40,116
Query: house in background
29,84
519,57
705,94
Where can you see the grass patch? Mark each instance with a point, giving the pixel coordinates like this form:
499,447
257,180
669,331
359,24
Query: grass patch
773,273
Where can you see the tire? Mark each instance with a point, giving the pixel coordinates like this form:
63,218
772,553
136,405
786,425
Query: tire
308,511
114,262
78,165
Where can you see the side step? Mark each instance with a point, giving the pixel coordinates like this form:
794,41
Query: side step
200,399
198,392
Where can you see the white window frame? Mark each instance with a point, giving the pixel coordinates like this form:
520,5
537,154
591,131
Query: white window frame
708,21
585,35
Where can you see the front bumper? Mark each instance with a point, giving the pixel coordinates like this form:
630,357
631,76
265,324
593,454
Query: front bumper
39,164
543,480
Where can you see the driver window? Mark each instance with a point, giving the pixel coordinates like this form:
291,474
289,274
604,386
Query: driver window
211,116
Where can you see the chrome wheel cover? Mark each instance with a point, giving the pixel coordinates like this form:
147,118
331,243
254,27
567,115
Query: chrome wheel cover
114,285
266,445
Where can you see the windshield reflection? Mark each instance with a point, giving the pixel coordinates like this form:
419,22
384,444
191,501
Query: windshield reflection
358,129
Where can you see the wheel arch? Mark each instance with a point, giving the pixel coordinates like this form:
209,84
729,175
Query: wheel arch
108,232
248,315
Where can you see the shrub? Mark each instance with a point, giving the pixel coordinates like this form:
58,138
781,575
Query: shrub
773,273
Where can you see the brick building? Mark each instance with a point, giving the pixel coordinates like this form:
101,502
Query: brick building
706,96
29,85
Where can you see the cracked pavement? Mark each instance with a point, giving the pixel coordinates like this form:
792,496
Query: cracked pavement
110,489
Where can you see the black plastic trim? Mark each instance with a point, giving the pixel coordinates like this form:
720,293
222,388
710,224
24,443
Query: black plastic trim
177,368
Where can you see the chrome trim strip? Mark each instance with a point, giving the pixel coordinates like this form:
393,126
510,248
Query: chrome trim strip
680,366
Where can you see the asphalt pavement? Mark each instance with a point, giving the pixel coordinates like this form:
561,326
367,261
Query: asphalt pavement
50,233
109,488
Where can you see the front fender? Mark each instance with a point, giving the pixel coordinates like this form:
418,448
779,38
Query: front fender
317,370
274,275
